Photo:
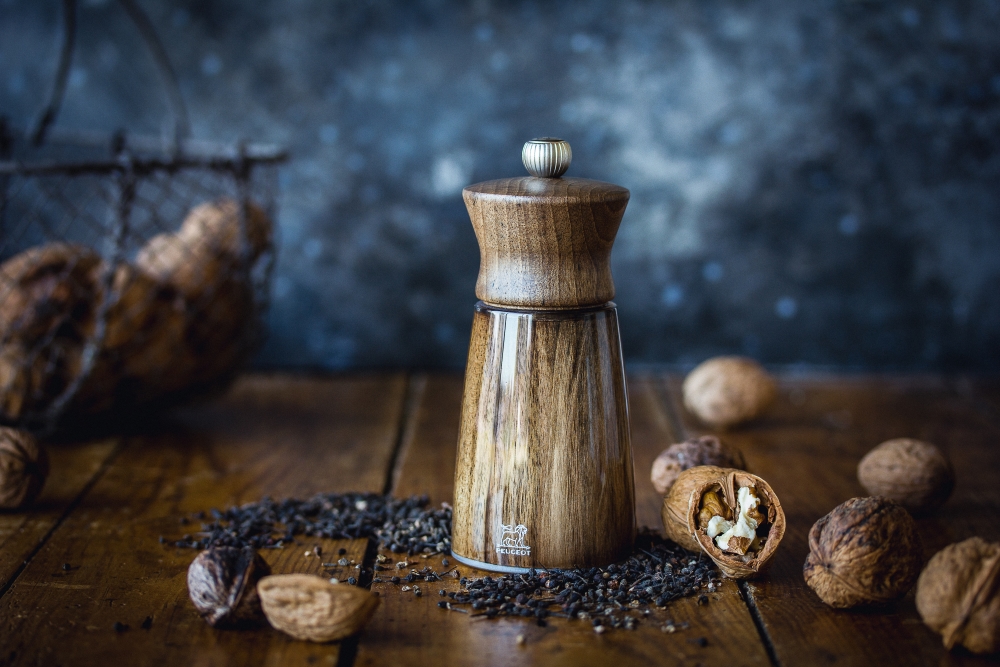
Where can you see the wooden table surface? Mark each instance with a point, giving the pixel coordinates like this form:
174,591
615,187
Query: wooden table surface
108,501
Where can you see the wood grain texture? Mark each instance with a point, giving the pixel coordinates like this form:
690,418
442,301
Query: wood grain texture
808,447
544,469
72,467
270,435
409,630
545,243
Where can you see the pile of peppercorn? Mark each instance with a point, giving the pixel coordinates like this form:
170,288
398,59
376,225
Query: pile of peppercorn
405,525
616,596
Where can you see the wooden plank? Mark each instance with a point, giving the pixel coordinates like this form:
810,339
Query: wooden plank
408,630
275,436
807,448
72,467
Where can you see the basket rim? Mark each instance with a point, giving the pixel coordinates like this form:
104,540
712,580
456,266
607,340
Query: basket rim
146,154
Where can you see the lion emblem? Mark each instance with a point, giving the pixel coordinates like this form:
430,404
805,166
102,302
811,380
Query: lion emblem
513,536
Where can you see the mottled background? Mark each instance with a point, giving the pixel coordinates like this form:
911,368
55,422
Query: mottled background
812,182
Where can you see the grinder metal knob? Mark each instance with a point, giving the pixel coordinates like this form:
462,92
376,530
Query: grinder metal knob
546,157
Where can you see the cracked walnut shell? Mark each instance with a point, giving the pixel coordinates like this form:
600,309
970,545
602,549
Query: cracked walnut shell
866,551
958,595
704,451
915,474
310,608
222,583
738,521
725,391
23,468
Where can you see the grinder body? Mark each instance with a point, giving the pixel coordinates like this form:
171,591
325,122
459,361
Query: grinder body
544,473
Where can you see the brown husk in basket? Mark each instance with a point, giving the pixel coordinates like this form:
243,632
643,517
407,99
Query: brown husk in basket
48,308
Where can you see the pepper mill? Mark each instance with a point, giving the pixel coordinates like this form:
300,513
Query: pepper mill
543,475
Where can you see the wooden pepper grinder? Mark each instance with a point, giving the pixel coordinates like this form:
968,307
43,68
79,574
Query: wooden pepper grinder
544,469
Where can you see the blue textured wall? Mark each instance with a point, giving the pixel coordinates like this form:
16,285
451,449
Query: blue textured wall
811,182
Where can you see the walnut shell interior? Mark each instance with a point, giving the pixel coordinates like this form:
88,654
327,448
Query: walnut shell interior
674,511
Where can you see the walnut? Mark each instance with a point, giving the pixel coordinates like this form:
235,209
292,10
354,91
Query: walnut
145,336
206,246
23,468
725,391
703,451
313,609
202,262
737,520
222,583
866,551
217,225
674,511
958,595
915,474
194,269
48,308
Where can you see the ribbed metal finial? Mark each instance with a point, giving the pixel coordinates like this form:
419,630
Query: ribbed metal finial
546,157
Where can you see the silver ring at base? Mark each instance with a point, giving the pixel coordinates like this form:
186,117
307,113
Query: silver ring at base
506,569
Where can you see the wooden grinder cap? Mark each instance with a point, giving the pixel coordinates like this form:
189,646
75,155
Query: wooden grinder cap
545,241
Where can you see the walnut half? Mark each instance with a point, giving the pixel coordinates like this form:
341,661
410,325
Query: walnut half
736,518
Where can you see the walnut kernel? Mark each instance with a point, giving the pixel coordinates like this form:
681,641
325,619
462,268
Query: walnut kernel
738,521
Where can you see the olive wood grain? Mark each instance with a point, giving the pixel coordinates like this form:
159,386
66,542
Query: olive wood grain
544,459
410,630
271,435
545,243
808,447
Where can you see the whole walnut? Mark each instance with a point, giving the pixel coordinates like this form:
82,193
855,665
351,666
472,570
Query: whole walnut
46,290
23,468
866,551
14,381
145,337
217,225
674,511
222,583
724,391
915,474
958,595
706,450
193,268
48,308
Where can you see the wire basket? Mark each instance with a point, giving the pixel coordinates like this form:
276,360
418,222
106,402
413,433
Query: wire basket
133,272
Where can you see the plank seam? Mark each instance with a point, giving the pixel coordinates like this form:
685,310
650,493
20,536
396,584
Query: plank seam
670,406
412,398
758,621
73,504
412,395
